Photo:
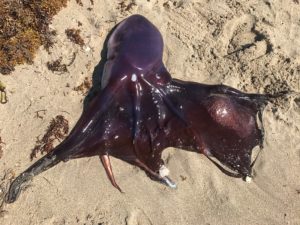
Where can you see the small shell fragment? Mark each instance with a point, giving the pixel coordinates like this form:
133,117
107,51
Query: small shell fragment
248,179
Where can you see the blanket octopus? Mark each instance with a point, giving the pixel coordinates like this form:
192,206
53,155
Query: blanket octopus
141,110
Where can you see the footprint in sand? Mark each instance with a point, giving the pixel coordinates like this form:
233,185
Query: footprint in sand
138,217
286,31
242,42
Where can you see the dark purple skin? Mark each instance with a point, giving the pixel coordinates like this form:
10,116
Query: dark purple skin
141,110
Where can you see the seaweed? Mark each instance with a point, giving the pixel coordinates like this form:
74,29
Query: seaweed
84,87
79,2
3,96
126,6
24,27
38,115
57,66
57,130
74,36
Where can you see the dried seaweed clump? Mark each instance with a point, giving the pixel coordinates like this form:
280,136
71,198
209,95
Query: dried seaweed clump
126,5
74,36
3,96
57,66
24,27
79,2
84,87
57,130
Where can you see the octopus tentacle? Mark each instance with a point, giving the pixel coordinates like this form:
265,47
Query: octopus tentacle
48,161
108,169
165,180
137,119
147,169
224,170
167,101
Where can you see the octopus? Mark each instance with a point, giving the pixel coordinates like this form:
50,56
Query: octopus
141,110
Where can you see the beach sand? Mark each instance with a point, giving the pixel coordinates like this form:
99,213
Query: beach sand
253,46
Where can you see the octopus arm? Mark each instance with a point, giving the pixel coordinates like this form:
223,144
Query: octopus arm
220,122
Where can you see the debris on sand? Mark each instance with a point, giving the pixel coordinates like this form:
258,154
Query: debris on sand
24,27
57,130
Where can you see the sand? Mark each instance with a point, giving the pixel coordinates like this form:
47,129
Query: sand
250,45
